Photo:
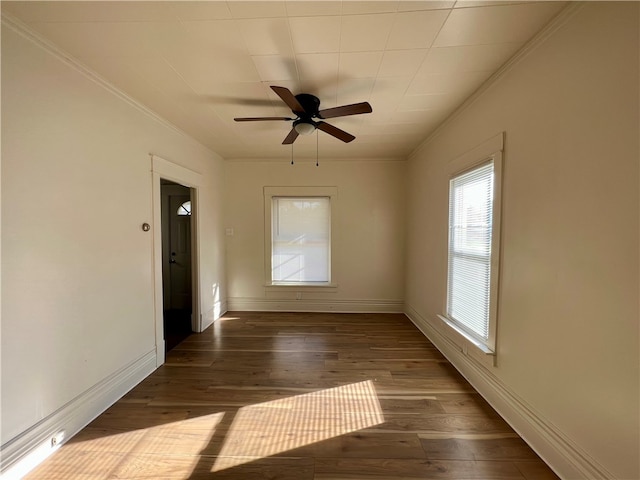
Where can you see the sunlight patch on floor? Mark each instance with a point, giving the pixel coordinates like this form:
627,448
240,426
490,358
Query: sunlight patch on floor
96,453
274,427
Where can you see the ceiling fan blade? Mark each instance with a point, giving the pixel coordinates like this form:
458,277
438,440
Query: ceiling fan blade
291,137
260,119
289,98
335,131
344,110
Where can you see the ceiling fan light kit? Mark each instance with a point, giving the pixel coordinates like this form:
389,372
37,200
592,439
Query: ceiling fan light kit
306,107
303,127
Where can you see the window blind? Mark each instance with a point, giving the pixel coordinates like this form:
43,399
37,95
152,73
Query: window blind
300,239
470,229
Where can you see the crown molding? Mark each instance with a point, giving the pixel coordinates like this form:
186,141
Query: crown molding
554,25
22,29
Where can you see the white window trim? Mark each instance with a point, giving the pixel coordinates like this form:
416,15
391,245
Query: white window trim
487,151
269,193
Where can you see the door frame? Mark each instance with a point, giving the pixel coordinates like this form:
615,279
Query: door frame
161,168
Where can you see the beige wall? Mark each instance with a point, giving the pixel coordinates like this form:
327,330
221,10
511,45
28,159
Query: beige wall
568,309
367,238
77,272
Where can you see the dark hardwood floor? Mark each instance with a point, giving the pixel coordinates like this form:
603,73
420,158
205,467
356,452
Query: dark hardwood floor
300,396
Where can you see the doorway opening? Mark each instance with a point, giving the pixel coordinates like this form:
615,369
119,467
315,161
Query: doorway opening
177,285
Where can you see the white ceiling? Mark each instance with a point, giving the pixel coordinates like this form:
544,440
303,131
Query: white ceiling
199,64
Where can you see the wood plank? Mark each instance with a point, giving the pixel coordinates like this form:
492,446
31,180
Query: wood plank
415,468
497,448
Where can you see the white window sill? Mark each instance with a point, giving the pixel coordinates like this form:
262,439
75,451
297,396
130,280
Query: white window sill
466,343
304,287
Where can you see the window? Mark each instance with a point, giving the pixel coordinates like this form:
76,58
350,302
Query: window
300,239
185,209
473,248
470,227
298,236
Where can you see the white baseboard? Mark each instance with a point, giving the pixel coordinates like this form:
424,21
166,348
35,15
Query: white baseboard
24,452
562,454
262,304
207,322
219,309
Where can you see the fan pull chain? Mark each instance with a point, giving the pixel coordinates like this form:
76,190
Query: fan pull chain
292,154
317,164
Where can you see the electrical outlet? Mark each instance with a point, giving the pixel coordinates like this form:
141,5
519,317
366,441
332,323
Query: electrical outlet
298,295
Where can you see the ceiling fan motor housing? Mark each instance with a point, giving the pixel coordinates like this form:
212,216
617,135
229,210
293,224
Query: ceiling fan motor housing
311,105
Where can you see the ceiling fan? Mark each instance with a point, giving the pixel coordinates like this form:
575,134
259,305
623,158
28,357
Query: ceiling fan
306,107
